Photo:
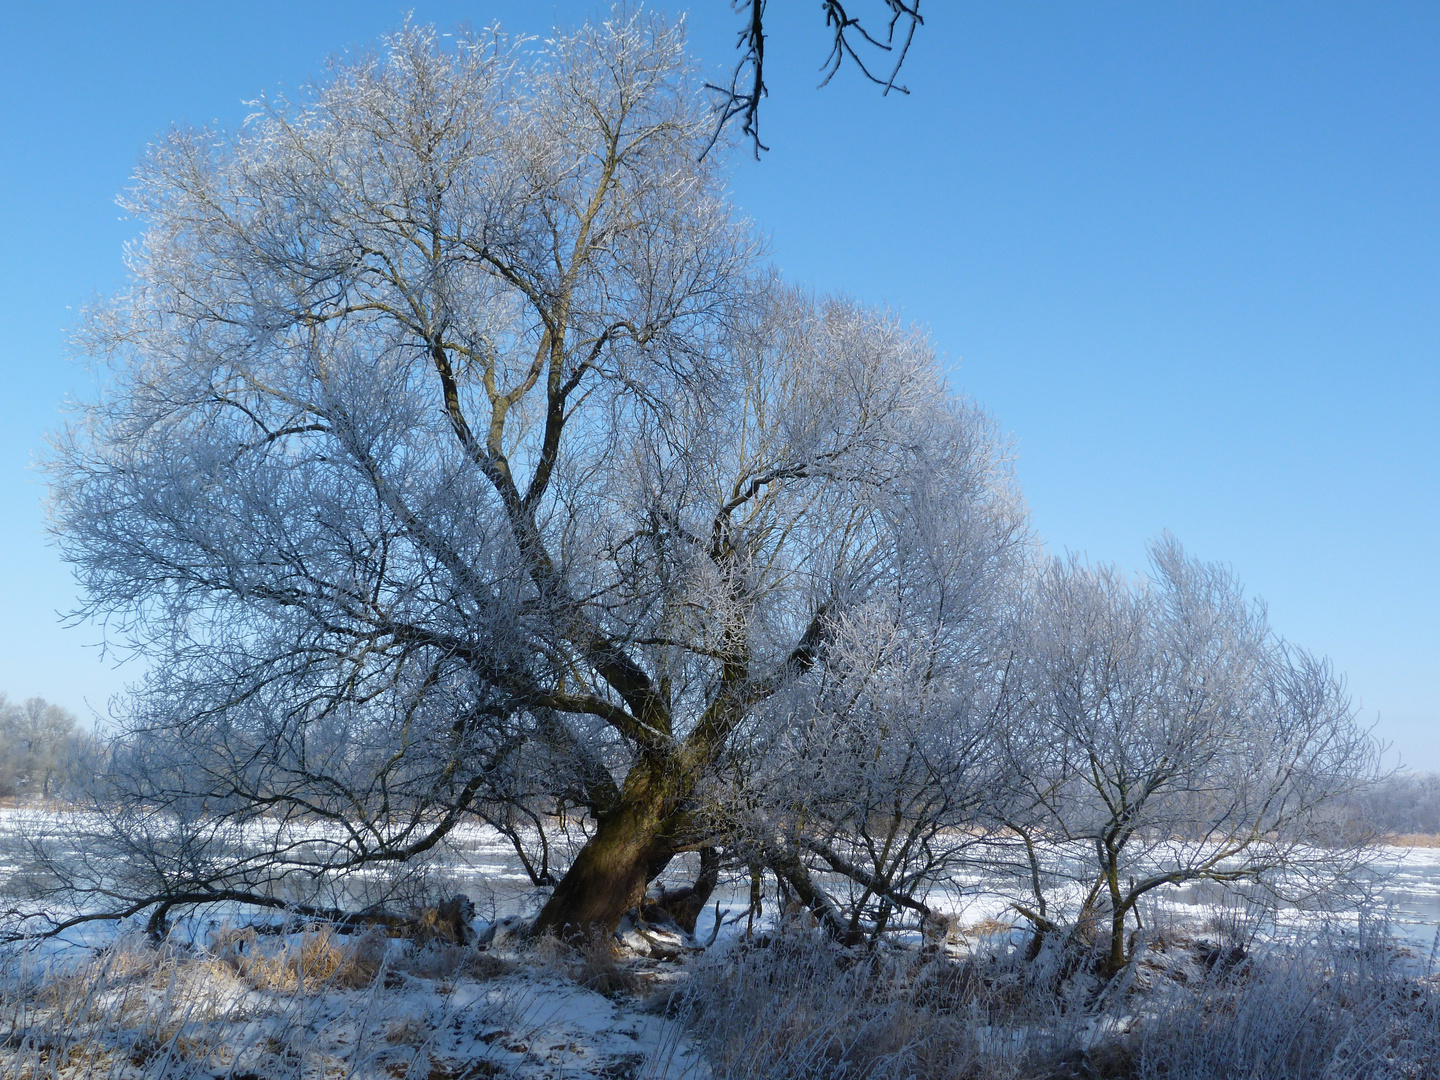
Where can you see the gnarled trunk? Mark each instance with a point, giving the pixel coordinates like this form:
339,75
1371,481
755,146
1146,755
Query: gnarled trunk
609,875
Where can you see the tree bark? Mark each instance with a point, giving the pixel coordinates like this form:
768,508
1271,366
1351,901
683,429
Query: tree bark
609,875
1115,961
685,904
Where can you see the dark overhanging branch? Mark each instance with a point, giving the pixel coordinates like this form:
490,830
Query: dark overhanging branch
841,22
737,99
740,99
880,886
163,902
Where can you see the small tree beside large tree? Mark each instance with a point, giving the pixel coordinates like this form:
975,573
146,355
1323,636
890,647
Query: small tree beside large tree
1163,735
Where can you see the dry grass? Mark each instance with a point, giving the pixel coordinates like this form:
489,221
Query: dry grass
1412,840
253,1004
38,803
804,1009
315,1005
1317,1008
407,1032
985,928
130,1009
594,964
317,960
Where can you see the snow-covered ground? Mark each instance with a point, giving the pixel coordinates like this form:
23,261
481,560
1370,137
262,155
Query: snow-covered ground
509,1012
132,1012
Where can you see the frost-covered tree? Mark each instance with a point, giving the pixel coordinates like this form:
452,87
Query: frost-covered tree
870,778
37,742
459,457
1162,734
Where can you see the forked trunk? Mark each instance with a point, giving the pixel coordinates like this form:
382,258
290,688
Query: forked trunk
685,904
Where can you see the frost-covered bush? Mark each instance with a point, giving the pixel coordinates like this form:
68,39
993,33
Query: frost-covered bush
1325,1005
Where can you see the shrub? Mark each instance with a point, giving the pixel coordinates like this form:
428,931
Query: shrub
1326,1004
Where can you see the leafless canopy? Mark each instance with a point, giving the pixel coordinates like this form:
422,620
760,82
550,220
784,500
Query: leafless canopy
460,459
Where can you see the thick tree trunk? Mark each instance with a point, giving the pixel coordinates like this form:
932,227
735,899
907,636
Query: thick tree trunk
609,875
1115,961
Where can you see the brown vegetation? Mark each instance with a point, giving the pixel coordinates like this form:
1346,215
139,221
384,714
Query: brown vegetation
1187,1009
1412,840
319,958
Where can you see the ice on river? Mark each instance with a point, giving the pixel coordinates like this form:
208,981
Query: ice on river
480,862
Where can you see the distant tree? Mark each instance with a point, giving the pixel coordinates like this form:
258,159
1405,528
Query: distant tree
37,740
1407,802
10,765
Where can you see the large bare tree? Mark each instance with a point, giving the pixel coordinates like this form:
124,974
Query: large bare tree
459,456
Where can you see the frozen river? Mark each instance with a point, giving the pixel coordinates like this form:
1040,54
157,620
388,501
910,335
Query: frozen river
482,864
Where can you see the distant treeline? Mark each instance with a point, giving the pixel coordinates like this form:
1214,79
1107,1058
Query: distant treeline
1405,803
39,747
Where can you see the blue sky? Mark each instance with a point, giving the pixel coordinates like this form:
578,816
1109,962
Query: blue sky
1187,254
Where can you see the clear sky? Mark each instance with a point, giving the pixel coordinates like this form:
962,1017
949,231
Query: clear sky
1187,254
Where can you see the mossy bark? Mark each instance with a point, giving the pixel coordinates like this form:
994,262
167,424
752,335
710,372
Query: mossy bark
1116,959
609,875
